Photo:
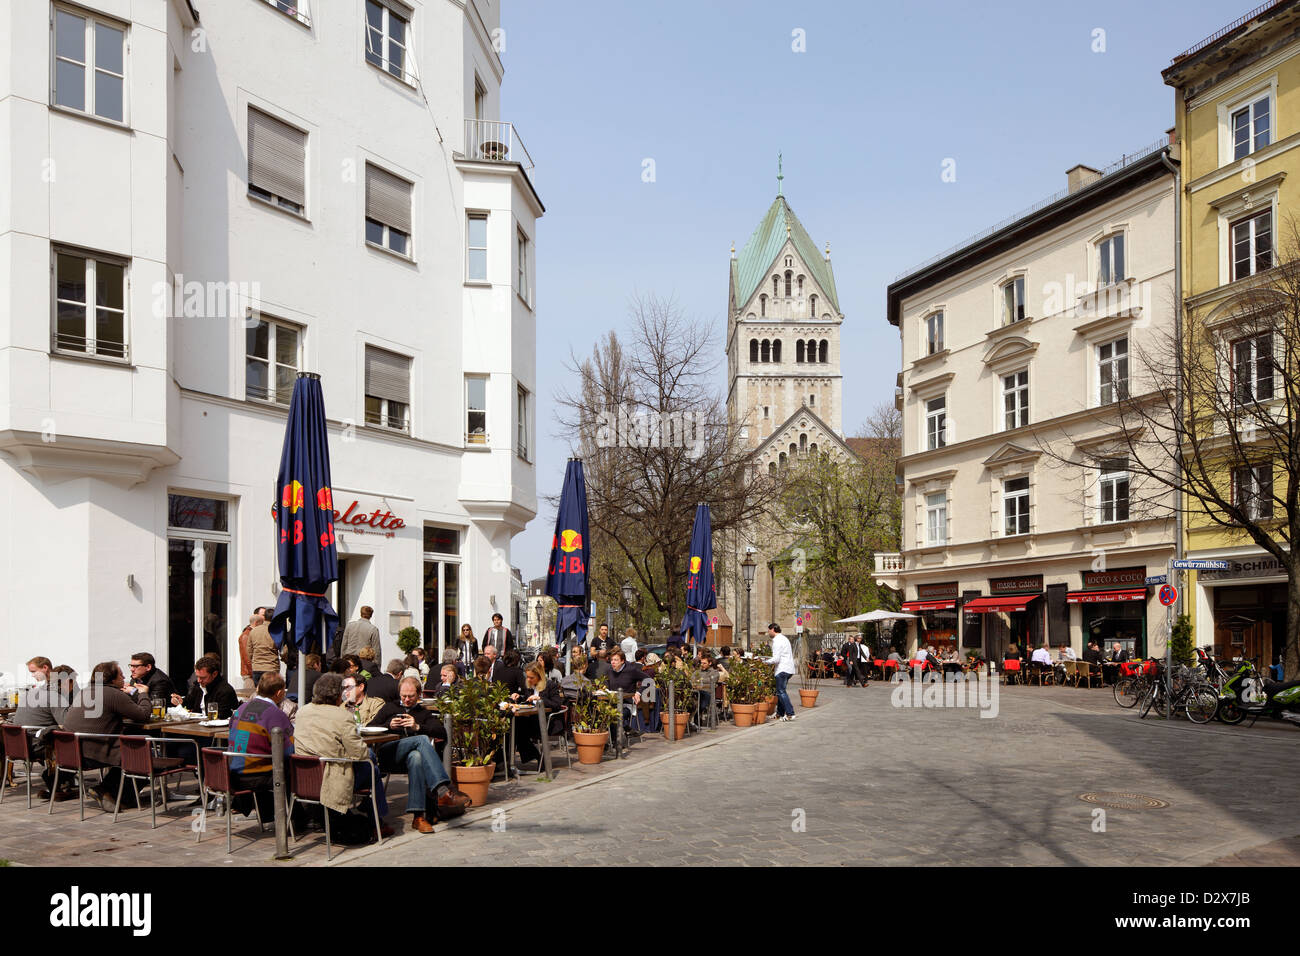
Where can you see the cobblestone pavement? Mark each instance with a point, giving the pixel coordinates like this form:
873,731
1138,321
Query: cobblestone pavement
859,781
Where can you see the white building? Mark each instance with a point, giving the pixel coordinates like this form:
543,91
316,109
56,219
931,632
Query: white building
254,188
1016,349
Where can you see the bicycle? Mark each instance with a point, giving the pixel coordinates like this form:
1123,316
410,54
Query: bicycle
1130,687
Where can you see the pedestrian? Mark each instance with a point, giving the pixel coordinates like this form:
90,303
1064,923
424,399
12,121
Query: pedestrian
360,634
783,660
263,657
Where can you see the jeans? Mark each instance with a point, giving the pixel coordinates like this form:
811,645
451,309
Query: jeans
424,771
783,707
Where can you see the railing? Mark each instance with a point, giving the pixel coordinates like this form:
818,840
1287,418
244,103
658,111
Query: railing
890,563
495,142
1224,31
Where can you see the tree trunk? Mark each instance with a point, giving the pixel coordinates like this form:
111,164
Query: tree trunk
1291,646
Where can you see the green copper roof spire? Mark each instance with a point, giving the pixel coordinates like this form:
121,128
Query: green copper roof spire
779,174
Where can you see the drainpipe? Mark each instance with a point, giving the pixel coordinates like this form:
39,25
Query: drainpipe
1172,616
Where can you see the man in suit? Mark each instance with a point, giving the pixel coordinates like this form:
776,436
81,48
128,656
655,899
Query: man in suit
360,634
850,654
384,686
498,636
1118,654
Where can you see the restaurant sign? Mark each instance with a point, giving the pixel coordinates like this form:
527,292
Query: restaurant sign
1116,578
356,518
1025,584
937,592
1261,566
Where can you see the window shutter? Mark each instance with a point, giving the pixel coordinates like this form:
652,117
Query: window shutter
277,157
388,375
388,199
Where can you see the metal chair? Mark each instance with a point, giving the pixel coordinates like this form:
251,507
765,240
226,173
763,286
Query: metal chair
562,714
67,754
306,774
139,763
17,748
216,781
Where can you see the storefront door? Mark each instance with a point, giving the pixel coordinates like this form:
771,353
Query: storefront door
198,583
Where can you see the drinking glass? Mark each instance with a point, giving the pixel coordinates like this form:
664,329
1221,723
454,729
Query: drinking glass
212,711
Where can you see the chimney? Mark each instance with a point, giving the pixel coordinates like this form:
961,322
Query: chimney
1081,176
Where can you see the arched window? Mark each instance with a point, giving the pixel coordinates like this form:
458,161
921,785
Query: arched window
771,468
813,448
753,350
794,449
812,401
762,305
812,308
787,283
800,286
803,442
798,351
782,459
811,355
824,352
776,351
767,411
766,351
776,286
789,260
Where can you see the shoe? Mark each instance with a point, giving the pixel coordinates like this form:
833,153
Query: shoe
386,831
789,717
452,800
421,825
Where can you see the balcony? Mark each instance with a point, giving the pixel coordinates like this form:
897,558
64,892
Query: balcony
495,142
889,563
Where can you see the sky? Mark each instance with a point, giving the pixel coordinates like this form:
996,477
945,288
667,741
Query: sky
869,103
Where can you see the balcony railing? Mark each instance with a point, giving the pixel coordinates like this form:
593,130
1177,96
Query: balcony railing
495,142
890,563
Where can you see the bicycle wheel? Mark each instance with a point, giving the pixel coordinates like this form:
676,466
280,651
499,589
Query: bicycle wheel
1201,705
1128,691
1153,697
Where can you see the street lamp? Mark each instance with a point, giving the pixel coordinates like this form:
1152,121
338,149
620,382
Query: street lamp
747,568
629,594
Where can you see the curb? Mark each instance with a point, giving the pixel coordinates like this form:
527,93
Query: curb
485,813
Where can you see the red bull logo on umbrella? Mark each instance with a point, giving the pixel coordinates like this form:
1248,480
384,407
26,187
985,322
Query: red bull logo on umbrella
325,499
570,541
292,496
570,562
695,565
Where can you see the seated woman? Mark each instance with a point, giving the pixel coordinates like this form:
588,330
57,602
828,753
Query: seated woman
573,685
528,731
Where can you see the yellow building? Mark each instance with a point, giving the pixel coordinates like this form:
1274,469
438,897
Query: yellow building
1238,129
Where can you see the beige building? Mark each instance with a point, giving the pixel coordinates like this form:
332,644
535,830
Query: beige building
1015,346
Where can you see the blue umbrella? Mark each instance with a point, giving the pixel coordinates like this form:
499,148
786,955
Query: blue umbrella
304,518
700,592
566,575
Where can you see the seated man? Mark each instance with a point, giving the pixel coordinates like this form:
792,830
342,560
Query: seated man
148,679
42,706
326,729
104,708
448,675
357,699
507,671
415,756
250,733
631,680
384,686
209,688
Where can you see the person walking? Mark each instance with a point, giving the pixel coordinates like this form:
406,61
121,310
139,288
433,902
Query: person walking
263,656
850,654
360,634
783,660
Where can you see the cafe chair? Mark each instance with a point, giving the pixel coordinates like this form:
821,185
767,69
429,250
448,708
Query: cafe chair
561,731
1011,673
306,774
139,763
216,782
18,750
1040,673
67,754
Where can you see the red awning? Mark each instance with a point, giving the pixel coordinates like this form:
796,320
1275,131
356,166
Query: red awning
1102,597
929,605
984,605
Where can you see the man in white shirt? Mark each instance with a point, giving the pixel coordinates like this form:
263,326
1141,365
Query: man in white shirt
783,660
1042,655
1067,653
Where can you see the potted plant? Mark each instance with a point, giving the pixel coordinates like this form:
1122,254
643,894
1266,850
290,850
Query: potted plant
766,697
807,684
478,727
742,691
408,639
681,679
593,714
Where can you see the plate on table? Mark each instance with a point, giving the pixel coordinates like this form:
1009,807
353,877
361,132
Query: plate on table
215,723
374,730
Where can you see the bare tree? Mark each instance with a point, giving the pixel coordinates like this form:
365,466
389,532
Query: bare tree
653,435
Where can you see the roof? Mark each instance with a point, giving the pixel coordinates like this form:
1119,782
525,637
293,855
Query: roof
750,268
1224,37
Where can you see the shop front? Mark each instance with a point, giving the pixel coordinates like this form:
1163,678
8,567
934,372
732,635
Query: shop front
1011,614
1113,608
1247,602
936,611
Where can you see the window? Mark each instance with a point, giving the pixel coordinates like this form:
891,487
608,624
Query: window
1111,266
476,250
388,389
1252,369
388,211
812,401
753,350
1252,245
89,65
776,350
936,417
277,161
1015,399
521,426
86,323
762,305
1253,490
1015,506
822,353
934,333
1251,129
480,99
1112,372
936,518
386,38
522,256
1114,489
294,8
767,411
798,351
1013,301
765,351
787,283
271,361
476,432
812,306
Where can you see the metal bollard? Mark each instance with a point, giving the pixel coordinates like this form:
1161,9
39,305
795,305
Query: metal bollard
672,714
277,781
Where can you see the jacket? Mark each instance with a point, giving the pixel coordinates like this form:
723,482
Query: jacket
250,733
357,635
383,687
245,659
369,707
426,721
460,650
512,677
159,684
100,709
261,650
490,637
326,730
220,691
628,680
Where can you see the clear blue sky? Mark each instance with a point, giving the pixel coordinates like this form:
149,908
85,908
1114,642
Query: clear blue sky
865,117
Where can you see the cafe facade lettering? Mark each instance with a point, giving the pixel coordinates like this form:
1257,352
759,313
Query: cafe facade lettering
1023,584
1115,578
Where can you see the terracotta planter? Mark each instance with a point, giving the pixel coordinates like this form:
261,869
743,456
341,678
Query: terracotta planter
808,698
473,781
761,710
591,747
682,718
743,714
771,703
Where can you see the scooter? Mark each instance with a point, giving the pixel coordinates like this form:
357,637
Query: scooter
1247,694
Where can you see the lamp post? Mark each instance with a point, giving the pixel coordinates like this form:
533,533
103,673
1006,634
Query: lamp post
747,568
629,593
